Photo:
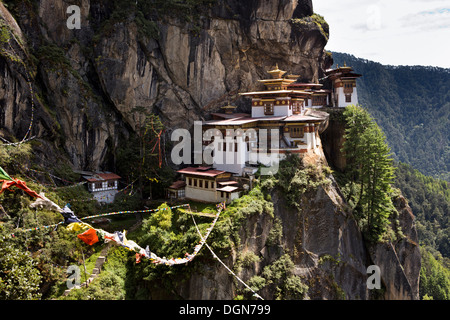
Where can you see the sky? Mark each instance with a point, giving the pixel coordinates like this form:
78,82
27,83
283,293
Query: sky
394,32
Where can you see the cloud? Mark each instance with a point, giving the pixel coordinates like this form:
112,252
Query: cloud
427,20
411,32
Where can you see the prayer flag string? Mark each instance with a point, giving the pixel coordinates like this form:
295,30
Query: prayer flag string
89,236
94,216
226,267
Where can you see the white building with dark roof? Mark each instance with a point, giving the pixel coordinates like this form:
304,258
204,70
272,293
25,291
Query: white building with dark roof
209,185
103,185
284,120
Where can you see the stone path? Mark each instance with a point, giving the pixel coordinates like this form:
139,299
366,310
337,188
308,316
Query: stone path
100,261
96,271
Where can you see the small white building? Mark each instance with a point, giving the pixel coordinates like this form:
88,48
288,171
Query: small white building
343,81
103,185
209,185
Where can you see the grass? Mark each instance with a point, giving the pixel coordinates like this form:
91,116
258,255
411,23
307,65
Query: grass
90,265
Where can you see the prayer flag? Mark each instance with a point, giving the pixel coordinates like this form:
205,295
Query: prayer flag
4,175
19,184
90,236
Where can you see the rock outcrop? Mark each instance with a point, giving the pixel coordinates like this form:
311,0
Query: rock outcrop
87,84
326,247
399,261
182,72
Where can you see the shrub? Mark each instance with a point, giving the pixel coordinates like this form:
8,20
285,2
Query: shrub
279,274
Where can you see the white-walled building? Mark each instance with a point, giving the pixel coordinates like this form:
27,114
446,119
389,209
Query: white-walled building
344,91
283,120
279,123
103,185
209,185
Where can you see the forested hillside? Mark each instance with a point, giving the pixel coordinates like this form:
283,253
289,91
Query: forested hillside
412,106
430,201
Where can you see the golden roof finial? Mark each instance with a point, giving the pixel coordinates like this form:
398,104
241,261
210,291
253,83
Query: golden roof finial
229,108
276,73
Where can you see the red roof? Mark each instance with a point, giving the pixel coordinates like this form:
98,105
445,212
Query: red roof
201,172
178,185
108,176
102,177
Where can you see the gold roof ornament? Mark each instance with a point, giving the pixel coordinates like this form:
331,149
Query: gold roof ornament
229,108
277,73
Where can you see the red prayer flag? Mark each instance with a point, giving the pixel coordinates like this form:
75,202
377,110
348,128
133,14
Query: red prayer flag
19,184
89,236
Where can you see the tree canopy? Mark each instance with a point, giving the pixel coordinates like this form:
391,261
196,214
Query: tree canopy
369,172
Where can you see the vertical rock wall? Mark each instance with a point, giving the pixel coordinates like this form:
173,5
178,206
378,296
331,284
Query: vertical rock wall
185,72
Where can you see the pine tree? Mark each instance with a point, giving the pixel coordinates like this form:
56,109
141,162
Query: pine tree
369,173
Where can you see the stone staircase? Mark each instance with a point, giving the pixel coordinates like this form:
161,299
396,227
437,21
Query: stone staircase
95,272
100,261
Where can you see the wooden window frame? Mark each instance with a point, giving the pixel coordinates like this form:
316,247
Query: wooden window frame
268,108
297,132
296,107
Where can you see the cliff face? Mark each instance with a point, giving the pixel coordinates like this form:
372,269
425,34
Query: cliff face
182,72
399,260
327,250
85,99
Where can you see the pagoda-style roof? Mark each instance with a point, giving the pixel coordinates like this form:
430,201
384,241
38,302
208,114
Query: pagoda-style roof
302,118
230,122
344,72
229,109
217,115
276,73
274,92
178,185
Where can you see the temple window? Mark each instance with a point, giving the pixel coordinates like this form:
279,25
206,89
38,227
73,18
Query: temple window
319,100
296,107
268,108
296,132
348,88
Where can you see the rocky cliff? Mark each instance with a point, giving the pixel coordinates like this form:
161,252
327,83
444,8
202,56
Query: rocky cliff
87,83
180,66
327,254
